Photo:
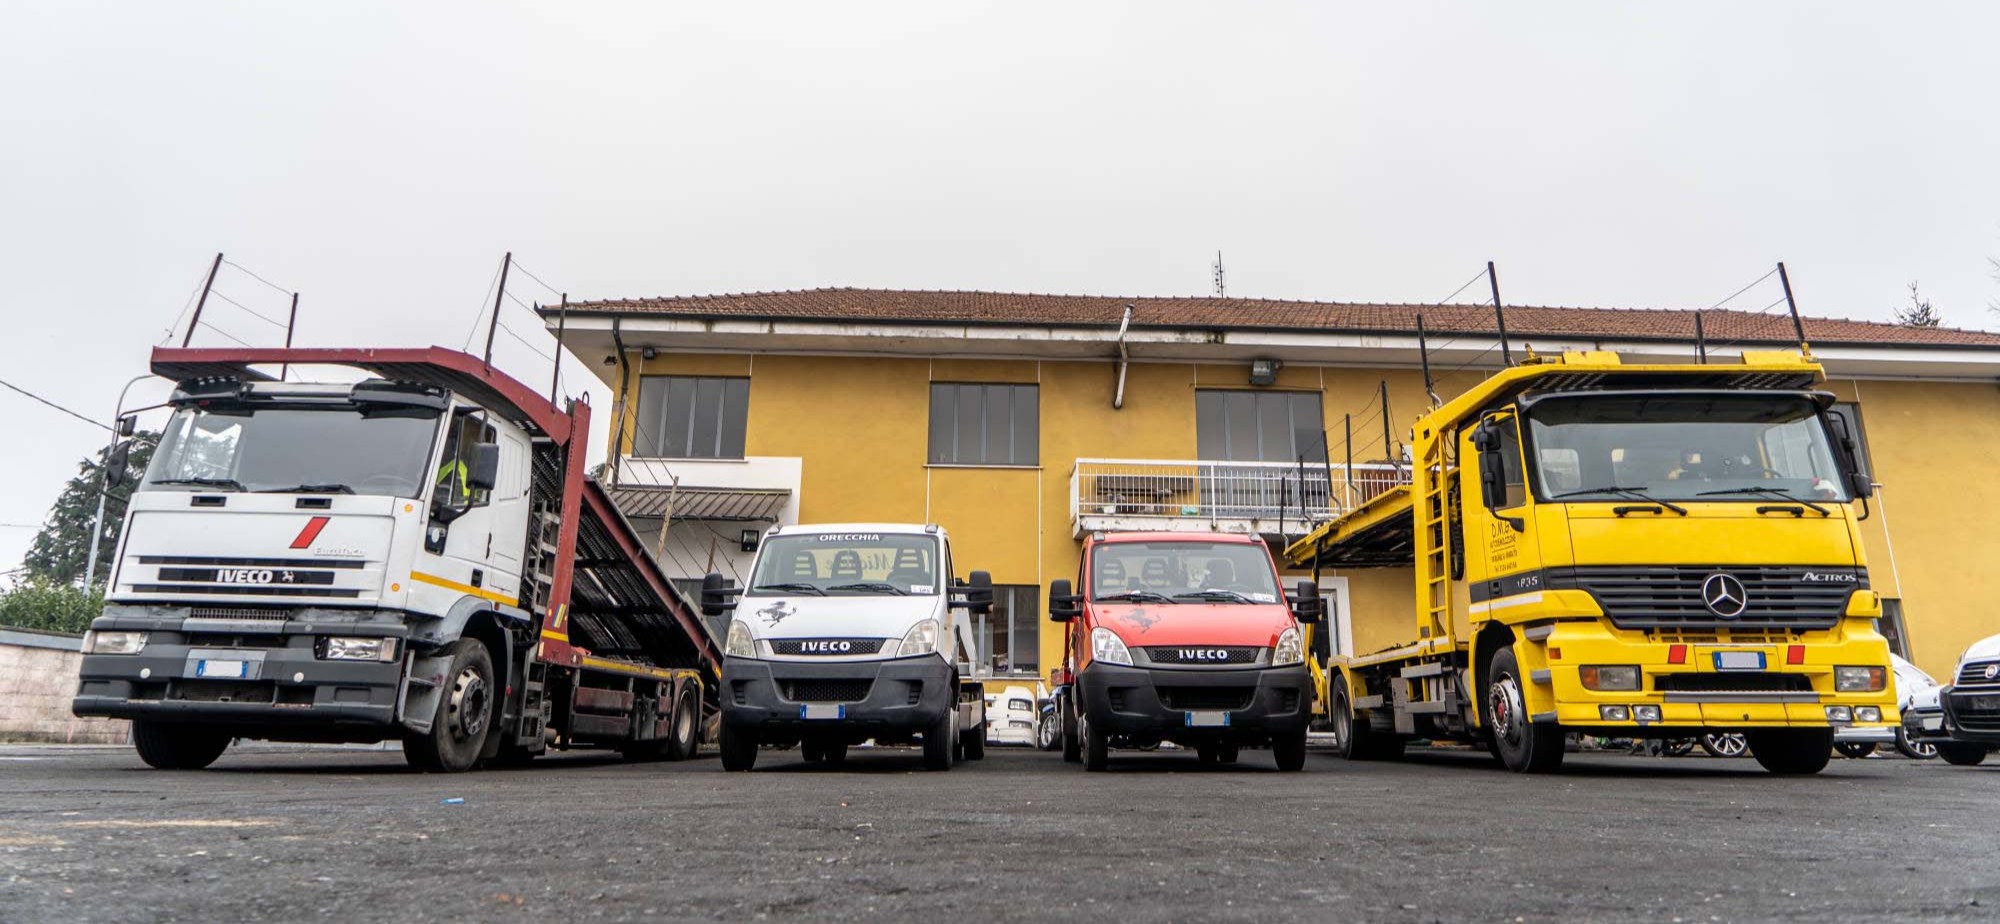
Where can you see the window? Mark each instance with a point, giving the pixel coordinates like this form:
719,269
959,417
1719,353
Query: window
1510,464
692,417
461,445
1892,628
368,449
847,564
1009,637
1258,426
1736,447
985,424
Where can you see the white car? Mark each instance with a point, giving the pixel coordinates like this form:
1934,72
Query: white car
1911,683
1972,705
1011,715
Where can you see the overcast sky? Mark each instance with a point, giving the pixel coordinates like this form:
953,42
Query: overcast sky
380,157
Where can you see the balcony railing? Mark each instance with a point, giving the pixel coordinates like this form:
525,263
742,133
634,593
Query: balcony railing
1270,492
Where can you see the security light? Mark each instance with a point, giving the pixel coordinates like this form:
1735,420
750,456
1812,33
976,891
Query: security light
748,540
1264,371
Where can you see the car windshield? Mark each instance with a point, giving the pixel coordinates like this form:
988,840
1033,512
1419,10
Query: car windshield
1757,448
881,564
343,449
1182,572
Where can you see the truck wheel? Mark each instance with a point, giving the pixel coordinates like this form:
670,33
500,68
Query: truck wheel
1955,753
1289,750
1524,746
940,743
1854,749
177,747
1356,738
464,714
683,737
834,753
1914,750
1096,751
811,751
975,743
1071,737
1791,751
739,750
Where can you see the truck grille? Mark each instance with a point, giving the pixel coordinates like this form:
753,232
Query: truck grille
264,577
827,647
1734,682
825,691
1182,698
1974,675
1180,654
1670,596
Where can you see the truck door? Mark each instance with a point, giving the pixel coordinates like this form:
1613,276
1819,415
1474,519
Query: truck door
1503,563
467,555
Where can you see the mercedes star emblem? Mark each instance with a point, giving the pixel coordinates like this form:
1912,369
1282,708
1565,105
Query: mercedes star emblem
1723,594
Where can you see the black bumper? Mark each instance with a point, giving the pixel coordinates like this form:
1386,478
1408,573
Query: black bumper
286,693
1136,702
1966,723
879,699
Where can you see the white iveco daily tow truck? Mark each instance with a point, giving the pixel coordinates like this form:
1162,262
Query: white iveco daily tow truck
846,633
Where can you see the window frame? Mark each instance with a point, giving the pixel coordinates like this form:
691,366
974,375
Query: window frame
731,412
1258,398
947,410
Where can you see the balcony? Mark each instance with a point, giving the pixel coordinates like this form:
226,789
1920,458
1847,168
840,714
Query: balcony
1270,499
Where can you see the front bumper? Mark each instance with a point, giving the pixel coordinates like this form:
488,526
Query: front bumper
1925,724
1971,715
284,692
1156,703
882,699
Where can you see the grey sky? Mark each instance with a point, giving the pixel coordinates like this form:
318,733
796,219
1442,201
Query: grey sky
379,157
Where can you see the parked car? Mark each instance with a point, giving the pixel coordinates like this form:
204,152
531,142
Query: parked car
1011,715
1048,720
1861,742
1972,705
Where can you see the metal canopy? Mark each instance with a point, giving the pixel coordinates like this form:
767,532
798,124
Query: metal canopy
696,503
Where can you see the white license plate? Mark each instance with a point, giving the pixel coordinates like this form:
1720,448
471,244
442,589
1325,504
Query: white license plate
1739,660
1933,723
233,670
822,711
1207,719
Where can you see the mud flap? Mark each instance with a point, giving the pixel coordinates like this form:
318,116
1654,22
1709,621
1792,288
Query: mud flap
423,685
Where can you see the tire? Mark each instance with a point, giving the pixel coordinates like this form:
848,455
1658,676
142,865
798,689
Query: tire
739,750
1914,750
684,734
1854,750
1725,745
810,750
1961,754
1207,753
1227,754
975,743
1096,750
1289,751
177,747
939,743
1791,751
833,753
1072,746
1357,739
1677,747
1525,746
1048,731
464,717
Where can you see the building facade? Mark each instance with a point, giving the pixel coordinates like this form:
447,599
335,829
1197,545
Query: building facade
1021,423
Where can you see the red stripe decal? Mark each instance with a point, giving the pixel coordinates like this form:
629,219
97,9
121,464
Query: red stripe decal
311,532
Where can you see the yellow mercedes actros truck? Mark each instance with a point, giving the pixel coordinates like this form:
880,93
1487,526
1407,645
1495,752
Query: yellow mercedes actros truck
1654,551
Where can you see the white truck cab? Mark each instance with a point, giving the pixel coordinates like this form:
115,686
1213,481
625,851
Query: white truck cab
849,632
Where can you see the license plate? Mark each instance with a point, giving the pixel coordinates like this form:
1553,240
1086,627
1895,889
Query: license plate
822,711
1933,723
1739,660
1207,719
233,670
1982,704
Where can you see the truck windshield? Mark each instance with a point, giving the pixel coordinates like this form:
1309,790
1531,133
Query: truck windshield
338,449
1750,448
839,564
1182,572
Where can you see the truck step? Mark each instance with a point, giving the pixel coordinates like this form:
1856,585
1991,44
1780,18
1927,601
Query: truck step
593,699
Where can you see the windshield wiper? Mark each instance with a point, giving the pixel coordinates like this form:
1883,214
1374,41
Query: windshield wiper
872,585
798,587
332,487
1637,493
230,483
1137,595
1215,593
1769,492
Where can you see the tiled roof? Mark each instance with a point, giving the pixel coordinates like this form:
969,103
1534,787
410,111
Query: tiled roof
1210,313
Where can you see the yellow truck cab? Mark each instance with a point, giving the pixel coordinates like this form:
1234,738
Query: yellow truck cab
1634,550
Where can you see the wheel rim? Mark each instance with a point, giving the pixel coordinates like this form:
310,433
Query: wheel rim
1923,748
468,704
684,725
1343,725
1728,745
1503,703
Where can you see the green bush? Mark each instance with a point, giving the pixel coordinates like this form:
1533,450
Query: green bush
50,607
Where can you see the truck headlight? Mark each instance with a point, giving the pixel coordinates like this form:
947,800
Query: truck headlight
113,642
340,648
1859,679
1107,647
1289,650
921,639
1609,677
739,644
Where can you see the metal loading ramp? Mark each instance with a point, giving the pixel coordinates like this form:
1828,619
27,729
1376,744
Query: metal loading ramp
1377,534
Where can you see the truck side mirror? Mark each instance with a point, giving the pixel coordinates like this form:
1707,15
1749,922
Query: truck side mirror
115,463
978,593
1063,604
1306,602
1492,478
1859,483
717,596
484,472
128,425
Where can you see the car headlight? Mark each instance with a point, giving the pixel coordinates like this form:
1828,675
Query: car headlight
113,642
340,648
1289,650
1107,647
739,644
921,639
1859,679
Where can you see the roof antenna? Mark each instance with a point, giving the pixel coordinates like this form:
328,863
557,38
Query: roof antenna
1221,286
1499,315
1798,326
1424,352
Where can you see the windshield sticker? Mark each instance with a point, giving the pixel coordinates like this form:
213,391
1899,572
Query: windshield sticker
1140,619
1263,598
776,612
850,537
922,589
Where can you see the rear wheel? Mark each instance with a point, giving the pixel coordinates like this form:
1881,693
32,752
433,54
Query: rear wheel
940,742
1357,739
834,753
1048,731
1961,754
739,750
1725,745
464,713
1854,749
1096,750
1792,751
1525,746
684,738
1677,747
1289,750
1914,750
177,747
975,743
810,750
1071,734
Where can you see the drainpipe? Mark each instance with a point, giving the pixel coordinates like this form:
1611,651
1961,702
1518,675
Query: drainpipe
1124,360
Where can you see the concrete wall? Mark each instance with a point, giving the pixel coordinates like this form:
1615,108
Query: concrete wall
37,679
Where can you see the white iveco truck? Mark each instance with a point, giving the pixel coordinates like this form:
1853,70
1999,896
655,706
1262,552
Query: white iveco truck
846,633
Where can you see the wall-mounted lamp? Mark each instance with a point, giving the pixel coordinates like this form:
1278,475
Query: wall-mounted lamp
648,352
748,541
1265,371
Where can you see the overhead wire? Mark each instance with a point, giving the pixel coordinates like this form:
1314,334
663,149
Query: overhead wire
18,389
246,271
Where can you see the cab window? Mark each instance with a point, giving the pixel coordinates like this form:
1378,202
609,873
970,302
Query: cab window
1516,487
454,487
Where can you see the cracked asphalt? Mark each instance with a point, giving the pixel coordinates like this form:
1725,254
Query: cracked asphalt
301,834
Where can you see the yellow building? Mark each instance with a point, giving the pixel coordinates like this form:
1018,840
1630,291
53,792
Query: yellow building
1023,422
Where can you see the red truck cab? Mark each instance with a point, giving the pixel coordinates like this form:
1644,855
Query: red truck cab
1188,638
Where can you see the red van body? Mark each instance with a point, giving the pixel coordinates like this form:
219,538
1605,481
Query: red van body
1183,637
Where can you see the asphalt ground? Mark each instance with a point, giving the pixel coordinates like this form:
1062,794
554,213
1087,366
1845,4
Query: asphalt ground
324,834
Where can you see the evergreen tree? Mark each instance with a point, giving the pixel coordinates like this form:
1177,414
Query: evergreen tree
1918,313
59,551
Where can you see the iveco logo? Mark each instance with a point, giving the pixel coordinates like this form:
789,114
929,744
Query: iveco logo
243,576
1204,654
825,647
1723,595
